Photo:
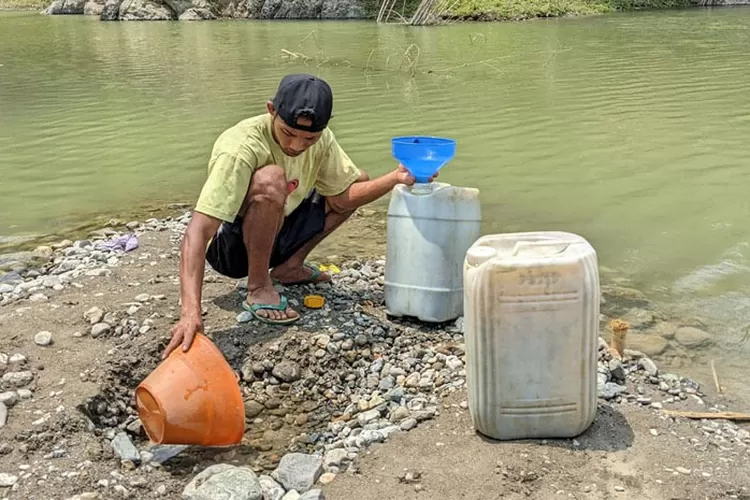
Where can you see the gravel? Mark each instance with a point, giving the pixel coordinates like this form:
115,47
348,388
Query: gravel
340,380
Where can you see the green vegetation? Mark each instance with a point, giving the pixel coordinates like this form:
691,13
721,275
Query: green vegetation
512,10
24,4
487,10
516,10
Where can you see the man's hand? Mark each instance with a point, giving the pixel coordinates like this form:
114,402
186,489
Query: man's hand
404,177
368,190
183,333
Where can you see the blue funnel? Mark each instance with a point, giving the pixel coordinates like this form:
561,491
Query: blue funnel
423,156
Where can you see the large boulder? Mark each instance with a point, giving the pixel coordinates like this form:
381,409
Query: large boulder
197,14
65,7
237,10
111,10
145,10
301,9
93,9
342,9
193,10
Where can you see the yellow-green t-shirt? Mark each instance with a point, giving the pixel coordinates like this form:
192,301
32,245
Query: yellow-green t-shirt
249,145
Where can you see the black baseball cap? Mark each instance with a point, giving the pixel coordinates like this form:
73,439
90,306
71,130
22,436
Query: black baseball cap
304,95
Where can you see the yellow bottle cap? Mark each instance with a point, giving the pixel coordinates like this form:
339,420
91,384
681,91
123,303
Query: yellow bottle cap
314,301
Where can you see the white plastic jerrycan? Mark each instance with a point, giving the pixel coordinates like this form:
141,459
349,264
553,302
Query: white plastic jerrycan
531,328
430,228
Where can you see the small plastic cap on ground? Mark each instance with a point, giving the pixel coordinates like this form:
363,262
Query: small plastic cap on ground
314,301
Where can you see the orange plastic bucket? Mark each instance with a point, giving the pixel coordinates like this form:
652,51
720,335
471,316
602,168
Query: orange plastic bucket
192,397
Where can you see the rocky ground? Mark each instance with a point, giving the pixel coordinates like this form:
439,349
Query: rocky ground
345,404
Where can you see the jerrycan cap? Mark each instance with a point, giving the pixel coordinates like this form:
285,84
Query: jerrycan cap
421,188
478,255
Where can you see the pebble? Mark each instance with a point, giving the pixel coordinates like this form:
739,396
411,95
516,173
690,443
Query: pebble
94,315
9,398
612,390
17,359
648,366
245,317
313,495
335,457
7,480
683,470
253,409
18,379
3,415
270,489
327,478
124,448
287,371
43,338
100,329
408,424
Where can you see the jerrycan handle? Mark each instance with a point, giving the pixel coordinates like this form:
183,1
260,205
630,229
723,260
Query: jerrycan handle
528,247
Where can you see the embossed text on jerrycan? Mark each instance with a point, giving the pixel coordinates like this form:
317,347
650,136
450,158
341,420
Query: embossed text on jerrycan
430,228
531,326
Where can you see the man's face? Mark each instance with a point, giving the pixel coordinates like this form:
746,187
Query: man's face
293,142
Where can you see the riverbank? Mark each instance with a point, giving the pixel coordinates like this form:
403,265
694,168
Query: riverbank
462,10
80,331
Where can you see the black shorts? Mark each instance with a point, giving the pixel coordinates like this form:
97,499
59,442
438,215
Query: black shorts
227,254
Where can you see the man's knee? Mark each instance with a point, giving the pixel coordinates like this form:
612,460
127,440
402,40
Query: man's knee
268,185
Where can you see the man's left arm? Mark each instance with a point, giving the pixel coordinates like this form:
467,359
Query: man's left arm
347,188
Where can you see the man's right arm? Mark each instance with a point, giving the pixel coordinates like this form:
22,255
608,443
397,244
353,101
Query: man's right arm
192,267
220,200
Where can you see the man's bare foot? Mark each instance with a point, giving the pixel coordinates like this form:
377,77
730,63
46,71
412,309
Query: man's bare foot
267,295
288,273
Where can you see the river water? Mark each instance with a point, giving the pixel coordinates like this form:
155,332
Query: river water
630,129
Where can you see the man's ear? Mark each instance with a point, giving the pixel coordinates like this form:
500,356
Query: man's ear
270,108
